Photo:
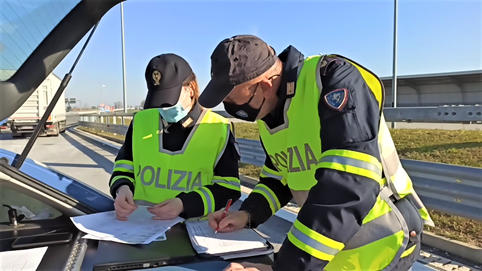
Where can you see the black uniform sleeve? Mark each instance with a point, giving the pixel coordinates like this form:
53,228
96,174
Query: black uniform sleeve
338,203
226,185
123,172
268,196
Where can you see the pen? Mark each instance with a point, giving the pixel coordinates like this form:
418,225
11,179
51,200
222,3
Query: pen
228,204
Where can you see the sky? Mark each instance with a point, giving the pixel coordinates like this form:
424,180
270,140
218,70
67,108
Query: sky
433,36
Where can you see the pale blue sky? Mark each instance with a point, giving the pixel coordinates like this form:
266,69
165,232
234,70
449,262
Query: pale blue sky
433,36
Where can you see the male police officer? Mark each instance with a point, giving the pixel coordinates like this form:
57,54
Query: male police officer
328,147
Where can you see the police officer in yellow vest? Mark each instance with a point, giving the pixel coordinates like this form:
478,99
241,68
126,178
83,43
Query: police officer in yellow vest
328,147
177,158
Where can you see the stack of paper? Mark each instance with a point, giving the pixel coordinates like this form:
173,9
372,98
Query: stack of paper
236,244
24,259
140,228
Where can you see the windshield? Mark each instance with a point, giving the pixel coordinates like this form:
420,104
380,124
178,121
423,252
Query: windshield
23,25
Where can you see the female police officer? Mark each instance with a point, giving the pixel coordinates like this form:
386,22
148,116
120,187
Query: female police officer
177,158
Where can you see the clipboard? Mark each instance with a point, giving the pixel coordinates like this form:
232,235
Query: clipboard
224,246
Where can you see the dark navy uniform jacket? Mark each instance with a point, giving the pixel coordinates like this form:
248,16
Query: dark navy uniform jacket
337,204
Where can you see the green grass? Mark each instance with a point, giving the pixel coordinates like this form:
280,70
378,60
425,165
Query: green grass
444,146
115,137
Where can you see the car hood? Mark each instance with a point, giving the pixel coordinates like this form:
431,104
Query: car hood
83,193
35,36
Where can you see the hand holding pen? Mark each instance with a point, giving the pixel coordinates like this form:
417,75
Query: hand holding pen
228,204
227,221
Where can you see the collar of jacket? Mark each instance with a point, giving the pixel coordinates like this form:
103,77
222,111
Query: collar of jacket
292,62
189,120
192,117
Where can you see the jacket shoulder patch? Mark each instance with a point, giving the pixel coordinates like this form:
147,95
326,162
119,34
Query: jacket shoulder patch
337,99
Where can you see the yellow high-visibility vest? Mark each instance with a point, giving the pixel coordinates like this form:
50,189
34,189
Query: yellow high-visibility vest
161,174
295,150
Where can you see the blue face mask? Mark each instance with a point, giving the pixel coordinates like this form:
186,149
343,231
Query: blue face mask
174,113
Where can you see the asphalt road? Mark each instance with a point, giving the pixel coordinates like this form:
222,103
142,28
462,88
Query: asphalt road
91,162
69,154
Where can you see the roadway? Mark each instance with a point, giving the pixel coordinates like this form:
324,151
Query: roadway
86,159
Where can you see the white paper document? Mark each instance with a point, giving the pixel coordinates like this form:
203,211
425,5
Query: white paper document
140,228
162,237
22,260
204,239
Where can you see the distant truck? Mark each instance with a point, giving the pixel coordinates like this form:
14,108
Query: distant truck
26,118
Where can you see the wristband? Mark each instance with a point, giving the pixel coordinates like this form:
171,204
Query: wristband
248,224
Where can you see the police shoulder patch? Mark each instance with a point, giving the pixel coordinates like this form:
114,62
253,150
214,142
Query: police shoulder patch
337,99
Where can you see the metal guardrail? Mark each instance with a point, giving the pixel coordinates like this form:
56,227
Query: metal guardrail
105,127
435,114
455,190
431,114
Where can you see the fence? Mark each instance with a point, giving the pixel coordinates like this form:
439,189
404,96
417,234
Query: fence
454,190
471,114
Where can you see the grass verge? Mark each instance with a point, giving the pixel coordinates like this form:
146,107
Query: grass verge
443,146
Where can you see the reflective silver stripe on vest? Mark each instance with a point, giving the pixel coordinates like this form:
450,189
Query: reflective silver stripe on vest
270,195
352,162
375,230
390,162
234,183
312,242
209,200
124,166
270,175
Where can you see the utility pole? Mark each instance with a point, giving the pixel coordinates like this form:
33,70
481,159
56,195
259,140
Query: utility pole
123,57
394,75
100,88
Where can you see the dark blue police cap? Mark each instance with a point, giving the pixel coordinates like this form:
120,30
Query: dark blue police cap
165,75
234,61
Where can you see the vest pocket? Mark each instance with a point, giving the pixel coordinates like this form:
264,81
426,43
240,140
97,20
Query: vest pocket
385,195
412,218
379,243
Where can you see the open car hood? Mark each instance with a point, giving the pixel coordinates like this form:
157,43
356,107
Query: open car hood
56,184
34,37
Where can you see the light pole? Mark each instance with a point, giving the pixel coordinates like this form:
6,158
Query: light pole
100,88
123,57
394,75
